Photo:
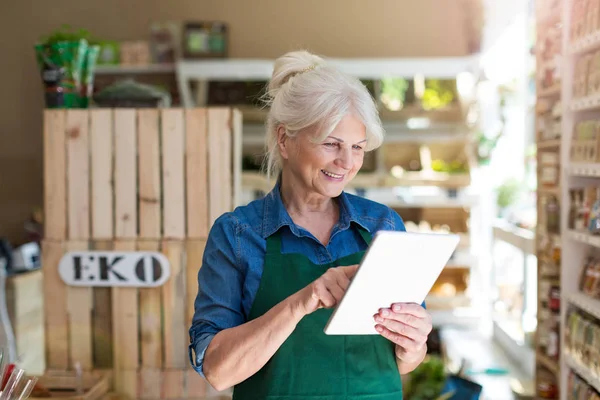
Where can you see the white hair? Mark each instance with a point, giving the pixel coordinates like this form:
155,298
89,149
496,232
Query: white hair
306,93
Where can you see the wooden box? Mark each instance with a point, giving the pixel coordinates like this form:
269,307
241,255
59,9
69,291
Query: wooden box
66,386
134,180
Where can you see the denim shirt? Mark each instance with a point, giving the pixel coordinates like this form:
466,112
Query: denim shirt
232,263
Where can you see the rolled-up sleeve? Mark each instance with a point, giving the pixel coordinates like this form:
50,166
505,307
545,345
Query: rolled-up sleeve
218,304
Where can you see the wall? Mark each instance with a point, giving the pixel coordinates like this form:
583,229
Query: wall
259,28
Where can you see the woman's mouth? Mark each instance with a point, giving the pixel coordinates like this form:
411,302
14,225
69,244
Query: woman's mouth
331,175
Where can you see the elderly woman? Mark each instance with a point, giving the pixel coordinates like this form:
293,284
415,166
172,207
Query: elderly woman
273,270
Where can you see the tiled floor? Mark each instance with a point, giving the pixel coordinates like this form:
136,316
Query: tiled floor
481,353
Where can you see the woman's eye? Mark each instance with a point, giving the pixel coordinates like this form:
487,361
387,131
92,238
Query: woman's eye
330,144
357,147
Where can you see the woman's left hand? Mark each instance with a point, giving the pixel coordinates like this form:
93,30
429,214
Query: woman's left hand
407,325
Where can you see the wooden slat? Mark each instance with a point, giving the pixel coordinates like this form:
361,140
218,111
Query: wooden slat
101,141
173,164
193,257
218,158
55,190
150,317
102,174
173,384
173,302
55,307
102,317
237,123
149,381
78,168
227,164
196,173
125,174
149,174
79,306
125,332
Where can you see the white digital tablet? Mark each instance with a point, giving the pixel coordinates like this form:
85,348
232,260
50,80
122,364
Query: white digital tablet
397,267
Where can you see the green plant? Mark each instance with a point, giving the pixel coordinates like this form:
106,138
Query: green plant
427,380
508,192
438,93
393,93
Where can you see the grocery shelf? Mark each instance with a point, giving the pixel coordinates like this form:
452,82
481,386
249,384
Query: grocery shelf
591,170
591,102
135,69
522,239
582,370
550,92
584,237
585,303
549,363
548,144
587,43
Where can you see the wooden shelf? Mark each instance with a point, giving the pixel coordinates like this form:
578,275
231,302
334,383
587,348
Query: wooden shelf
587,43
430,178
584,237
522,239
548,144
591,102
550,364
135,69
586,303
550,92
549,190
587,170
590,377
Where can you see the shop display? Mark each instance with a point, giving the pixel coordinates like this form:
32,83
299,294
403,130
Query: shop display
590,277
205,40
585,19
547,387
586,142
548,127
578,389
582,341
584,210
67,61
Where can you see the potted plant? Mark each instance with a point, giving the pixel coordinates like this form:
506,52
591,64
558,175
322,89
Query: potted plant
66,60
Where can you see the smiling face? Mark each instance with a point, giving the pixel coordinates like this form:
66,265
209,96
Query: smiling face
325,167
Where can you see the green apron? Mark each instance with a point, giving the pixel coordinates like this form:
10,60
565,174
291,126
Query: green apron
310,364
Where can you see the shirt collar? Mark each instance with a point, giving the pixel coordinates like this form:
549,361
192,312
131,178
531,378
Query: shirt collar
276,216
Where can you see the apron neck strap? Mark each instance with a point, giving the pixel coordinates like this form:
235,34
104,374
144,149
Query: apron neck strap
274,241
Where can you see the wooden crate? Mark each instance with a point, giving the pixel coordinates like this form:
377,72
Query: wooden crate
65,386
134,180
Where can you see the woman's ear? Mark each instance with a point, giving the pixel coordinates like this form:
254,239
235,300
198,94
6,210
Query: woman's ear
282,142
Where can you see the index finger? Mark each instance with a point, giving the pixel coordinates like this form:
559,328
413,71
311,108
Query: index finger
349,271
410,308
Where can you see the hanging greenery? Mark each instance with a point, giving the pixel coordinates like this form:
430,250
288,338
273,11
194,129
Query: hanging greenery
439,93
393,93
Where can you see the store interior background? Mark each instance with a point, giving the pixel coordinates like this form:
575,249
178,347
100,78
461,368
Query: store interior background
496,42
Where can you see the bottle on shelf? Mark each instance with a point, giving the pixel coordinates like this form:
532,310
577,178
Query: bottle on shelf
594,224
572,210
580,214
553,215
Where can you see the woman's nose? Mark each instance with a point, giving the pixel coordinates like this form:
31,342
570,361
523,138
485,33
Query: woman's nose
344,159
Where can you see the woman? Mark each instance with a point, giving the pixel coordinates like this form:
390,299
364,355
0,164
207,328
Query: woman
272,270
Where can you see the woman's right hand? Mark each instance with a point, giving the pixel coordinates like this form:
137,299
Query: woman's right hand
326,291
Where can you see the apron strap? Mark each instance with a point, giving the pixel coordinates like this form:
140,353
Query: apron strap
274,243
365,234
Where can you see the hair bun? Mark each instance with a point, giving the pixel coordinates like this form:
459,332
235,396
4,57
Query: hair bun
288,65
